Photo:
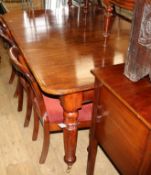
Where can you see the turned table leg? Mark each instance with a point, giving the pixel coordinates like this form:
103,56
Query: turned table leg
70,103
69,3
107,22
86,5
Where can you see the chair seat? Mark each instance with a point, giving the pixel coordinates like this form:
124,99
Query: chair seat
55,111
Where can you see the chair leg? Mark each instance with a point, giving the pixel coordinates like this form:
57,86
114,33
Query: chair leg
17,89
29,108
46,142
36,126
20,96
12,77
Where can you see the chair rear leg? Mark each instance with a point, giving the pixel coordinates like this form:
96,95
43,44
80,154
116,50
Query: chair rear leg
46,142
17,89
12,77
20,96
36,126
29,108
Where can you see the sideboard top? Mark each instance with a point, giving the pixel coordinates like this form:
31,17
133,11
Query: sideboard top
136,96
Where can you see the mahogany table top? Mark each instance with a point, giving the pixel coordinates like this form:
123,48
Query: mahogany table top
65,45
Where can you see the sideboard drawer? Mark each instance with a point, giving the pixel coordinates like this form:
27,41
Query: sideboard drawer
120,133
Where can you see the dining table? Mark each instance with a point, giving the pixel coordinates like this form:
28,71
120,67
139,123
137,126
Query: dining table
60,47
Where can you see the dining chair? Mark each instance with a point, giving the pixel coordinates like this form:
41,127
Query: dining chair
8,40
47,109
21,86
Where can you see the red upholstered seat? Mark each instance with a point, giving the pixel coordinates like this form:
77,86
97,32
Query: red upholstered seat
55,111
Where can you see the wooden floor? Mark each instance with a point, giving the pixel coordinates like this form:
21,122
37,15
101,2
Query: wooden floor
19,154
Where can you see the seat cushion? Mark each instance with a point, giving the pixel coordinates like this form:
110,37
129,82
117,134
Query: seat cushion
55,111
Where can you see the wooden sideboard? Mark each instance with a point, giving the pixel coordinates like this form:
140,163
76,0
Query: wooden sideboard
121,122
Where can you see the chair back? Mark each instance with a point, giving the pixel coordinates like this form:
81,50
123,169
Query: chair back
6,38
5,33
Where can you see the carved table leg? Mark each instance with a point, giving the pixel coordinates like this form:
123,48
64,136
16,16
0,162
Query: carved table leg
70,103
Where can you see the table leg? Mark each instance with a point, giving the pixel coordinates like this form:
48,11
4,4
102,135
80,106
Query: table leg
69,3
107,24
107,20
71,103
86,6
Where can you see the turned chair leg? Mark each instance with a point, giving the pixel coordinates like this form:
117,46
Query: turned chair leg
46,142
12,77
20,96
29,108
36,126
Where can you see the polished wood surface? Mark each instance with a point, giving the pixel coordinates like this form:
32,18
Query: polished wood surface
61,47
74,47
121,121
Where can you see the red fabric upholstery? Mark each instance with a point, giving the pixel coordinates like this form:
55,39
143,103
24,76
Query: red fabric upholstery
86,112
55,111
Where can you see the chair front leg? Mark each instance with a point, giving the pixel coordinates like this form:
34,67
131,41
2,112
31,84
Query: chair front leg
20,95
46,142
36,126
12,77
29,108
